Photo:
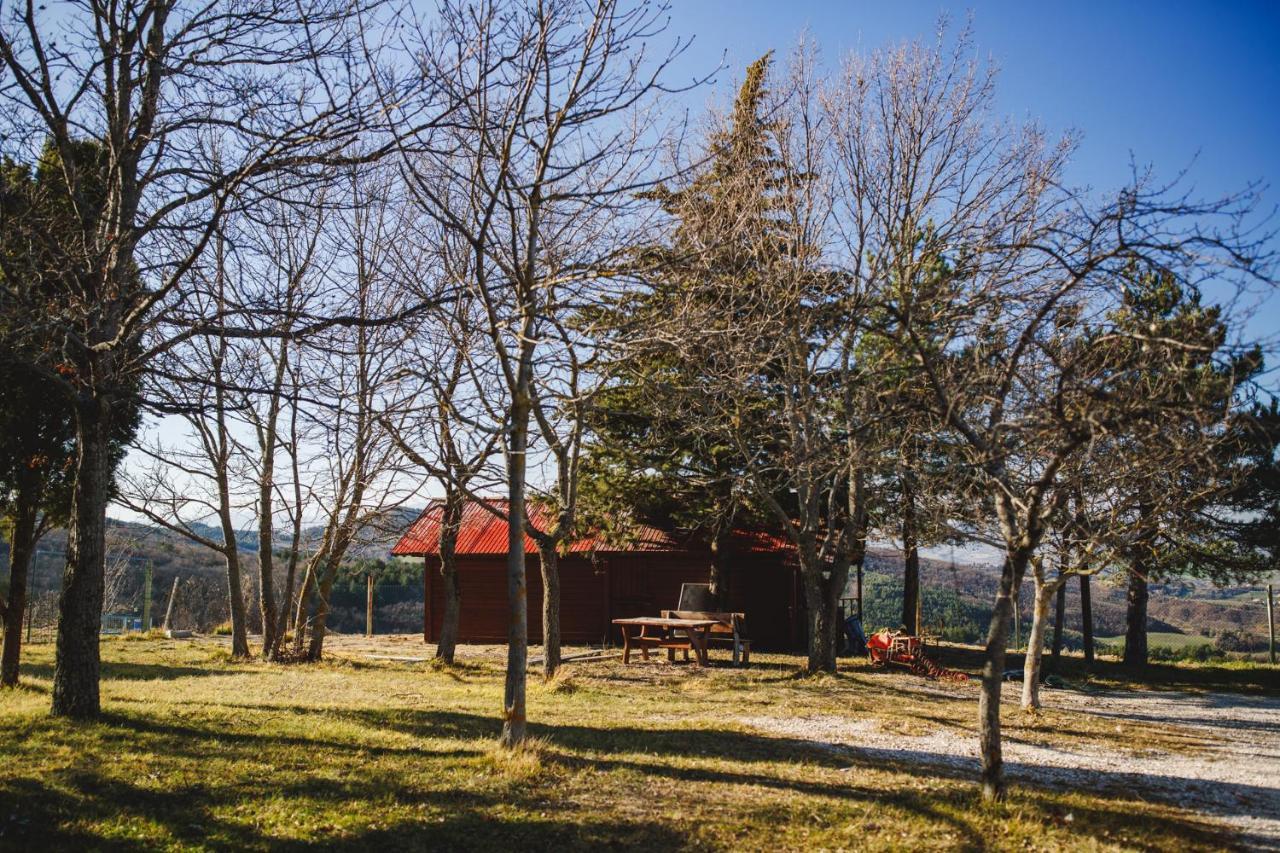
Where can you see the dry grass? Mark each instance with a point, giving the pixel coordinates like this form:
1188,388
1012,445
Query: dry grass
526,762
562,682
198,752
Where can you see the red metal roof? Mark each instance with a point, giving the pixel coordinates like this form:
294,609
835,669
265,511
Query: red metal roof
484,532
759,542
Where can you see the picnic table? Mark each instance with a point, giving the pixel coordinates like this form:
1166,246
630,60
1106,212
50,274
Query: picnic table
695,636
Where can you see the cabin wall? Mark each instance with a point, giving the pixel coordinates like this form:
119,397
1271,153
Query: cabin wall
612,586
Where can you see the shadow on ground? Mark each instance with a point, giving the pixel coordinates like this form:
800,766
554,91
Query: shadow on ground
51,813
1257,680
117,671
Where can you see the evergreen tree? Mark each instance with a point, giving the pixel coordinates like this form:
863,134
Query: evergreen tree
646,463
37,428
1157,493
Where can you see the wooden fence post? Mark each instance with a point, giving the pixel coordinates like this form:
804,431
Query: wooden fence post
1271,623
146,598
368,613
168,611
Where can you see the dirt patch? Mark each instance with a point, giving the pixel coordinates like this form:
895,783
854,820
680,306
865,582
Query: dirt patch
1232,775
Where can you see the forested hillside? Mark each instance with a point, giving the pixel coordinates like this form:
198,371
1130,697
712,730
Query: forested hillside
956,605
956,597
201,603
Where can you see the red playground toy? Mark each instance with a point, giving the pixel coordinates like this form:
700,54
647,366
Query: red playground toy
887,647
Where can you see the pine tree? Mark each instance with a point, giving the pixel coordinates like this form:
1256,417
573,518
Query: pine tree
37,428
645,463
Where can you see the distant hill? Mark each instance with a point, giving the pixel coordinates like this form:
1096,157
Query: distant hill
965,592
956,605
133,546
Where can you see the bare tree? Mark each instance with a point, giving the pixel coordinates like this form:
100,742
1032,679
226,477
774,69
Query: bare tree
121,550
291,260
937,192
185,487
537,179
447,430
192,103
925,173
232,392
353,374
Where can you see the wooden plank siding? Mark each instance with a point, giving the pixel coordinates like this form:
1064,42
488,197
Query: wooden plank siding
595,591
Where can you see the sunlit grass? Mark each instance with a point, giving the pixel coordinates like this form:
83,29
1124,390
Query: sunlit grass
196,751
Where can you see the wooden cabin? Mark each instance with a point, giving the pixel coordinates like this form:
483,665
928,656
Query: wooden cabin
600,582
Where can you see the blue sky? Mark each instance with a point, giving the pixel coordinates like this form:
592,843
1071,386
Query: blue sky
1166,84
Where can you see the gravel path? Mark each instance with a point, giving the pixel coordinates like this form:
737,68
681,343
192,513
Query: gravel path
1234,775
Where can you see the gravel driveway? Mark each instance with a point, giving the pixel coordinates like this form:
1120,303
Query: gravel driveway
1233,776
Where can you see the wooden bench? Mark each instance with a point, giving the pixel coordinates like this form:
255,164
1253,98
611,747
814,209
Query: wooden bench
730,628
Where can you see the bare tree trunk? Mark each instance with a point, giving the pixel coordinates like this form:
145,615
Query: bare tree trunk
716,574
76,668
822,596
266,560
330,557
550,561
911,560
268,440
1035,647
288,613
817,621
24,539
835,628
301,618
447,647
267,602
235,589
1059,614
1086,619
1135,637
993,680
320,619
514,718
231,554
453,507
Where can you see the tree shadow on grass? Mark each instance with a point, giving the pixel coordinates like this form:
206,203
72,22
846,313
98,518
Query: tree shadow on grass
188,738
754,754
119,671
55,818
718,767
1250,680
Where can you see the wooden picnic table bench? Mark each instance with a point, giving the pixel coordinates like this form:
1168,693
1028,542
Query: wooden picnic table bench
730,628
695,633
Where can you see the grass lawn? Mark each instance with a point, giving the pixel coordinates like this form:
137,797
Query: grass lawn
197,752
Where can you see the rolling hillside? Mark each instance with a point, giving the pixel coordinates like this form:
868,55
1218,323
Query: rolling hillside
956,604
